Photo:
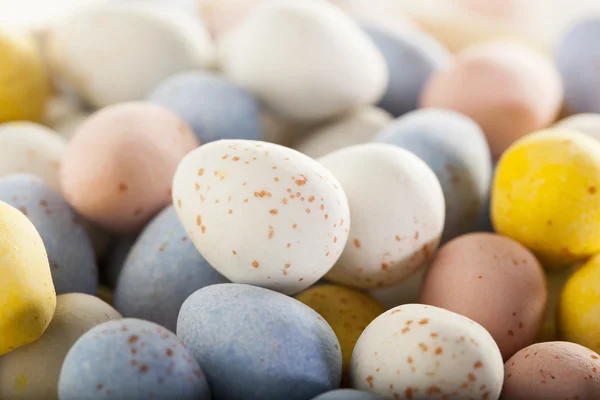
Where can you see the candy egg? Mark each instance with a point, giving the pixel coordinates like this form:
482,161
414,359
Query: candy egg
261,213
347,311
424,352
355,127
31,148
552,371
115,53
27,298
257,344
576,58
347,394
31,372
508,89
24,83
130,359
118,168
406,292
70,252
288,71
162,269
411,57
584,123
542,173
494,281
212,106
455,149
397,210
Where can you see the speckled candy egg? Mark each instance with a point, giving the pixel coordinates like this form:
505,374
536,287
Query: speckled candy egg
347,394
552,371
261,213
455,149
70,252
115,53
584,123
214,107
542,173
162,269
494,281
347,311
31,372
288,71
397,211
118,168
257,344
423,352
131,359
355,127
411,57
508,89
27,297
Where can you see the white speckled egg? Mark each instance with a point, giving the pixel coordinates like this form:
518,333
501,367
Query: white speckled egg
397,208
422,352
261,213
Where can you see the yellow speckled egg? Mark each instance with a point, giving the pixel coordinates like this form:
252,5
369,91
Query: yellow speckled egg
347,311
546,195
27,296
24,82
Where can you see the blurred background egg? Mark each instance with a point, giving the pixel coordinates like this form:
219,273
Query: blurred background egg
347,394
587,123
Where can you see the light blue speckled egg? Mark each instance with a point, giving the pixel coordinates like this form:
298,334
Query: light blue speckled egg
576,57
214,107
257,344
347,394
455,149
70,252
161,271
112,264
411,58
131,359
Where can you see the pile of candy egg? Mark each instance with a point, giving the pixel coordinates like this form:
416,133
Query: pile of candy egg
296,203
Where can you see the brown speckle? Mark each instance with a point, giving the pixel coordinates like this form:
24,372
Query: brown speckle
23,210
273,211
416,236
230,211
203,228
255,264
288,245
137,211
198,220
236,158
201,172
439,351
424,321
478,364
405,330
409,392
169,352
225,156
302,181
385,266
307,210
370,381
357,243
311,199
433,390
592,190
594,357
144,368
510,333
234,252
133,339
423,347
397,238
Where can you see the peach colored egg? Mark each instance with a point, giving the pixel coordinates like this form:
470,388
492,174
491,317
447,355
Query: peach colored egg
493,280
118,167
508,89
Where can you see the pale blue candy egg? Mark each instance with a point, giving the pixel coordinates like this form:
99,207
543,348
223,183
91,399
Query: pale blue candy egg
411,58
161,271
214,107
577,56
455,149
70,252
257,344
347,394
130,359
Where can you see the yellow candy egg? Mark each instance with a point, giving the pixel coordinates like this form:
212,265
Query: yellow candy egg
27,296
546,195
24,82
347,311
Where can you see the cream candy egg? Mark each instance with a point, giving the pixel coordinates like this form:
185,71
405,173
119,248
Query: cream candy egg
262,214
397,209
587,123
305,59
423,352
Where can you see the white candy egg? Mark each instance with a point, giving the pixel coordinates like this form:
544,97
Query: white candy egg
397,209
422,352
262,214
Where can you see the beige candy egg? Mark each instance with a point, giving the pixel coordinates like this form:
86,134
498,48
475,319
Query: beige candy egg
262,214
31,372
397,208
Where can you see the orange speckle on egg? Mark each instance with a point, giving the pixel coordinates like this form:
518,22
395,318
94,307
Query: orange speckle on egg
273,211
225,156
307,210
122,187
302,181
288,245
234,252
179,203
357,243
255,264
284,200
439,351
370,381
236,158
203,228
424,321
311,199
197,186
201,172
198,220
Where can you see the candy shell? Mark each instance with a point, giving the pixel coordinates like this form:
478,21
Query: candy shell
425,352
454,147
131,359
256,344
397,210
215,108
261,213
27,297
118,168
162,269
583,123
70,252
347,394
31,372
289,72
539,175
